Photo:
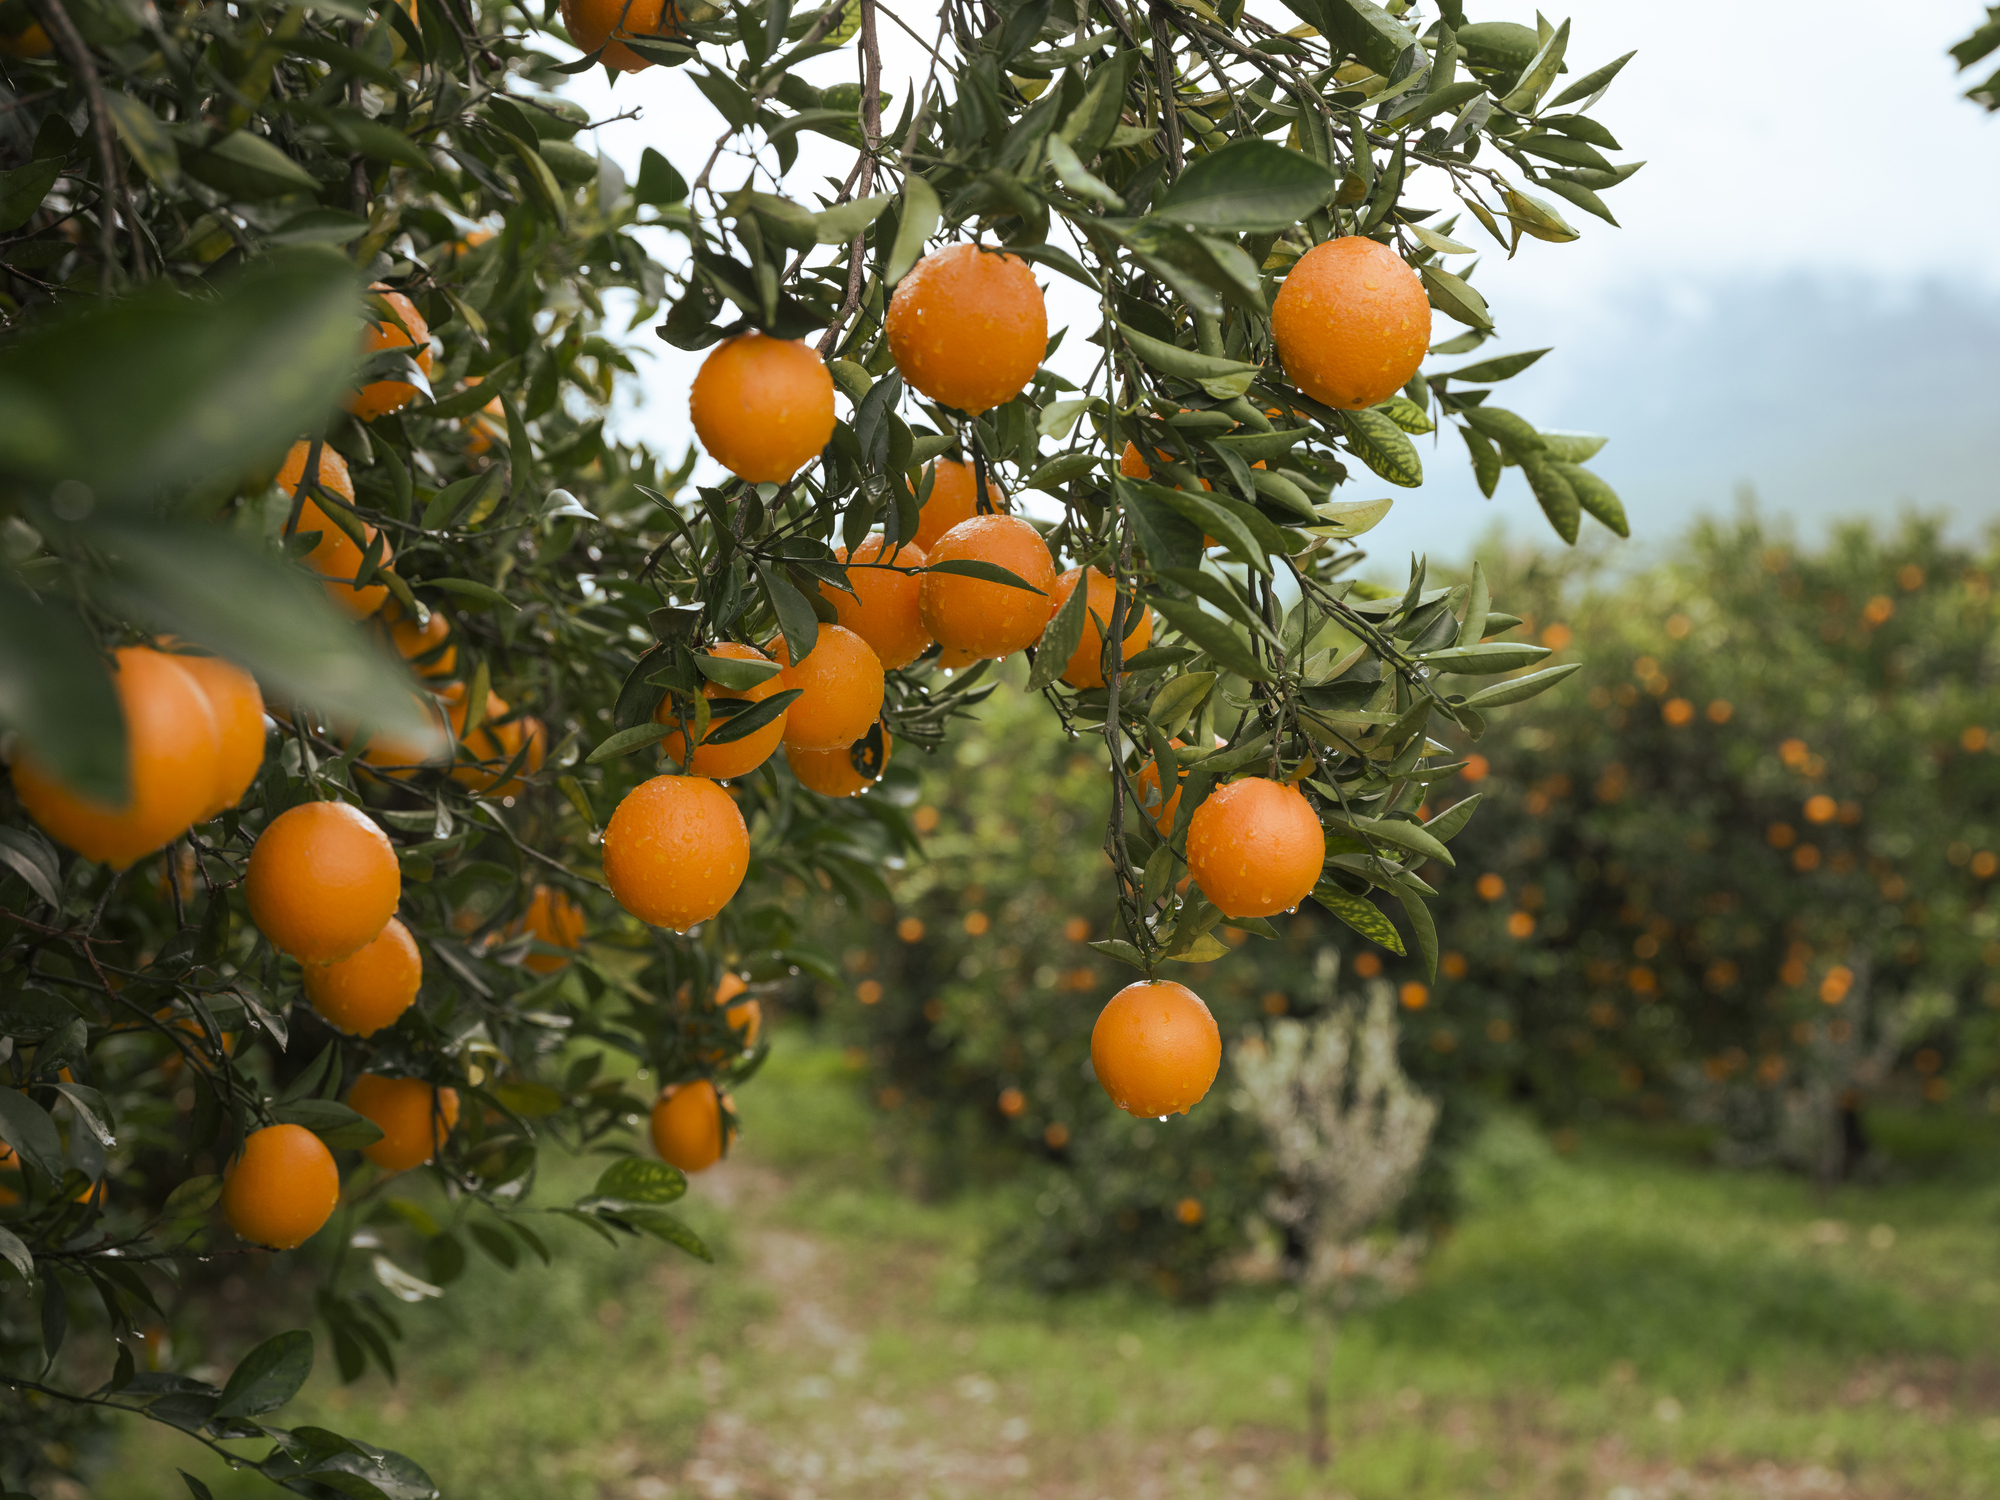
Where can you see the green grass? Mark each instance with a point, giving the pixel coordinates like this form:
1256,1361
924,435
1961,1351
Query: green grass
1598,1321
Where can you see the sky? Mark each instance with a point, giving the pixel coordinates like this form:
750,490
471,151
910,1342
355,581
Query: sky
1802,303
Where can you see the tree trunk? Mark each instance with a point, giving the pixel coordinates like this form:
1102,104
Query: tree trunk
1326,1332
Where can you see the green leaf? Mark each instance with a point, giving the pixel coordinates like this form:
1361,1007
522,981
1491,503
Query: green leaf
1572,447
666,1227
659,184
1425,927
268,1376
639,1179
1581,196
1485,460
16,1254
1487,371
1553,493
1447,824
749,720
989,572
1519,689
1539,74
1594,495
1359,913
1216,639
921,212
1369,32
246,166
23,189
1588,87
1347,518
473,589
146,136
1221,378
26,1126
737,675
1248,187
1511,431
627,740
1410,836
33,858
192,1198
1061,637
796,619
137,396
1179,697
1119,949
333,1122
1537,217
1456,298
836,226
1472,629
1202,509
1384,447
1484,658
1078,178
57,694
1060,470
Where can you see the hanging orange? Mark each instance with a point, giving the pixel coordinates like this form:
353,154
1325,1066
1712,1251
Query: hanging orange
968,327
990,619
334,557
426,647
1155,1048
882,610
371,987
1256,847
322,881
173,751
950,500
675,851
282,1189
842,687
762,407
687,1125
1352,323
380,397
491,748
238,705
1086,663
414,1118
843,770
730,758
401,758
554,919
591,22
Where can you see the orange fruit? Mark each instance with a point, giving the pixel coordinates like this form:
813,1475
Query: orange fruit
591,22
746,1016
675,851
731,757
762,407
990,619
173,752
238,705
554,919
1155,1048
334,556
380,397
372,986
841,681
414,1118
950,500
9,1162
1086,663
30,41
491,747
1352,323
843,770
1148,783
687,1125
400,759
882,610
1133,466
957,658
967,327
322,882
486,425
426,647
282,1188
1256,847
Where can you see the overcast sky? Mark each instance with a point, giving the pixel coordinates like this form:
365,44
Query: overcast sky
1804,298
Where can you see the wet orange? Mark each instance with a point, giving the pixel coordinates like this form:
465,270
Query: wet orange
1255,847
426,647
950,500
843,770
687,1125
1148,782
762,407
675,851
334,557
882,610
491,747
414,1118
380,397
842,687
968,326
990,619
282,1189
172,754
1086,663
731,757
1352,323
591,22
1155,1048
371,987
553,919
238,705
323,881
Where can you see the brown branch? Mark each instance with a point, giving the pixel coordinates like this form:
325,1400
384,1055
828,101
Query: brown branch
871,142
57,22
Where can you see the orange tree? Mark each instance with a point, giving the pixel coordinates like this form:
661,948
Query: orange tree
359,249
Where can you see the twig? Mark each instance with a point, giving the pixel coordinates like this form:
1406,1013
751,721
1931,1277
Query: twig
77,55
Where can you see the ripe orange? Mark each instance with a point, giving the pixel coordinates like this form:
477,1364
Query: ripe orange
334,556
1155,1048
1255,847
172,754
1086,663
842,685
732,757
990,619
882,610
554,919
950,500
1133,466
282,1188
238,705
426,647
967,327
9,1162
957,658
372,986
1352,323
762,407
379,398
687,1125
746,1016
322,881
843,770
30,41
1148,782
486,425
414,1118
591,22
399,758
675,851
491,748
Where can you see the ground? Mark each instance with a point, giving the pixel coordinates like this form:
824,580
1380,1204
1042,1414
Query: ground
1606,1323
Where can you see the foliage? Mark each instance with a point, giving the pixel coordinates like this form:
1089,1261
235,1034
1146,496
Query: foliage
1983,42
191,202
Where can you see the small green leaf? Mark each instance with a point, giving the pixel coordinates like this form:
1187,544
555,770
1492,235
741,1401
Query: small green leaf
1248,187
1487,371
639,1179
1119,949
1379,443
1456,297
736,674
268,1376
333,1122
1359,913
1348,518
988,572
23,189
1221,378
1179,697
1485,658
1519,689
1594,495
1447,824
1219,641
921,212
627,740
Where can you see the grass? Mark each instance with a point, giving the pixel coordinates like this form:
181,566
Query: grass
1608,1323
